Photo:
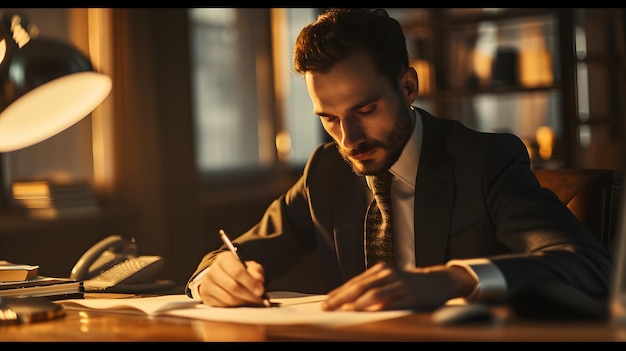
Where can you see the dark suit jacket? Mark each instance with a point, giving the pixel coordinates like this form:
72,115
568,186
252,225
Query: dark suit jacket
475,196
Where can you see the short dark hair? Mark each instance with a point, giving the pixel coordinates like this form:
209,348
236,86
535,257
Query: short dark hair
340,32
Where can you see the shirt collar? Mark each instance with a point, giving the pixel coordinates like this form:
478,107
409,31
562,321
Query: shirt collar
405,169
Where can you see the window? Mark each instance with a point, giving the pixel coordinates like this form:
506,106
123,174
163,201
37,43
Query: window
252,115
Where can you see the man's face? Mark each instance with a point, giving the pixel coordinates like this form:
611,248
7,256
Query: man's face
369,119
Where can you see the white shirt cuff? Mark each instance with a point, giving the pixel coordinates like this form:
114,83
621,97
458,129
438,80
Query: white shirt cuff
490,283
194,286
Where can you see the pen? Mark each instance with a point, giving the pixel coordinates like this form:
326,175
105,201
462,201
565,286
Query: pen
233,249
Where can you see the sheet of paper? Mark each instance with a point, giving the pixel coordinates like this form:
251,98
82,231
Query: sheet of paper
309,313
295,308
146,305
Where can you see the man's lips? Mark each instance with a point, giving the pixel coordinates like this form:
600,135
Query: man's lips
364,155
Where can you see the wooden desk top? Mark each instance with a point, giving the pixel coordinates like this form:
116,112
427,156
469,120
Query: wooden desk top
94,326
90,326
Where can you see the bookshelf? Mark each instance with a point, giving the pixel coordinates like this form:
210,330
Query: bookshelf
552,76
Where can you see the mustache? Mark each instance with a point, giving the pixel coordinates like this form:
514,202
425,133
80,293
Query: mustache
364,147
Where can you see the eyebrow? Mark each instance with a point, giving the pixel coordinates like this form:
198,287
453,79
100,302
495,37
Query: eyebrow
351,109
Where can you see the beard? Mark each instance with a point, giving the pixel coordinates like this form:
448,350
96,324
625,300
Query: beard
396,140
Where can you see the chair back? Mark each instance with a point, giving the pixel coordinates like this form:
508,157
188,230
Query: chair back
591,194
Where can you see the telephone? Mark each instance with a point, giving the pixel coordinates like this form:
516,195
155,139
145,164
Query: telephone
112,265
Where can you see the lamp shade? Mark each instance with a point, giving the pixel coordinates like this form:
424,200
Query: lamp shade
46,86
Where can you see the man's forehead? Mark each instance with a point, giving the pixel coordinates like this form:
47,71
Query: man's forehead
346,85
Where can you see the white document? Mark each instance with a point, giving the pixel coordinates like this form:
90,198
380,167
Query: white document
152,306
295,308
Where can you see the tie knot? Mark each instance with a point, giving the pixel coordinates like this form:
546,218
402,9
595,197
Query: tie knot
382,183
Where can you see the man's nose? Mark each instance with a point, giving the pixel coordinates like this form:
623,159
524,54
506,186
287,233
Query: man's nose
351,133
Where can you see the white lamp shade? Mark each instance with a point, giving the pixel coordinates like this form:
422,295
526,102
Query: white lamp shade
46,86
51,108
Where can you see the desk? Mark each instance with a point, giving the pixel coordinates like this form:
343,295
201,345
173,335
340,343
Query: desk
88,326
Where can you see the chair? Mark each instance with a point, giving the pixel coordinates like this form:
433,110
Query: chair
591,194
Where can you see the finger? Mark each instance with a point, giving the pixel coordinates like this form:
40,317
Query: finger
258,273
379,290
359,278
381,296
346,295
352,289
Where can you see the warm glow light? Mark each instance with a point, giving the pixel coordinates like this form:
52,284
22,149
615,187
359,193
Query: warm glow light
482,66
283,143
22,190
100,48
3,50
535,61
424,74
20,35
545,140
51,108
535,68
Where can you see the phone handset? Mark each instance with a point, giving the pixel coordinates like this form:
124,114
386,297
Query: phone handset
113,263
110,244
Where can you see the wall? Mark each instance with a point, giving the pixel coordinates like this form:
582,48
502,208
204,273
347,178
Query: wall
156,197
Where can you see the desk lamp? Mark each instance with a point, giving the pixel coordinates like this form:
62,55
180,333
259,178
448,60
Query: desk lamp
46,85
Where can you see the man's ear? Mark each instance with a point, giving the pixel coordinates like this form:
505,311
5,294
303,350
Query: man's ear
409,85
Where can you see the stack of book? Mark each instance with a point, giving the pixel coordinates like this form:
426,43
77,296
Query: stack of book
23,280
51,288
49,200
11,272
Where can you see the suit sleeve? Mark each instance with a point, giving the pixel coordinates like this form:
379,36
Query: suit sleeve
283,235
548,243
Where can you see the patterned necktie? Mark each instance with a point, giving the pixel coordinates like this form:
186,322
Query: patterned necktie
378,225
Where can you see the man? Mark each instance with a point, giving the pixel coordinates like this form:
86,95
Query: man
470,219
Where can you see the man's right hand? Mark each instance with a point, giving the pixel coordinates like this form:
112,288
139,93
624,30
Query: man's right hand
227,283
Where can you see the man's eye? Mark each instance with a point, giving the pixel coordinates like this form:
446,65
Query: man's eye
367,110
328,119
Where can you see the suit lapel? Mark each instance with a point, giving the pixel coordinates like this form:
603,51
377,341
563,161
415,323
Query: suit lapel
434,193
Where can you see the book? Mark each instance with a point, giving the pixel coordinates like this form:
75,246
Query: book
62,212
41,286
47,189
49,200
10,272
45,202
